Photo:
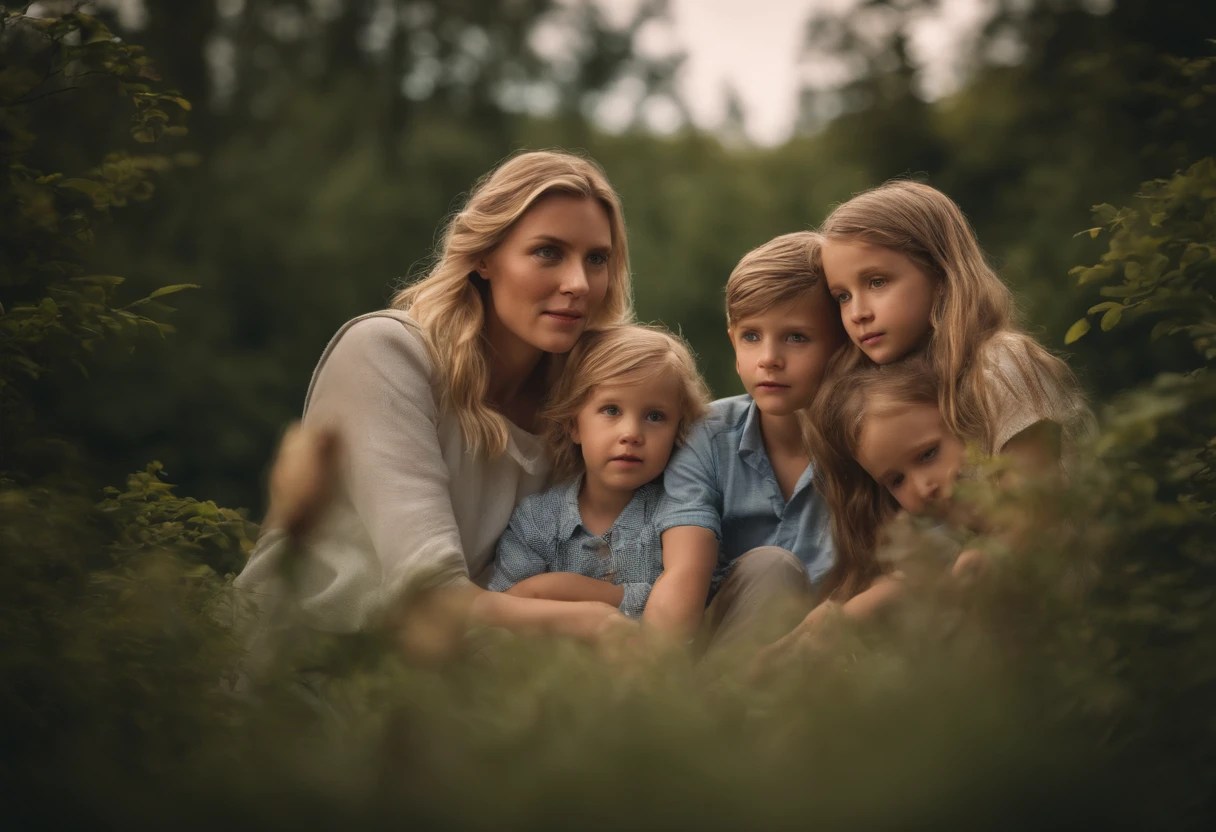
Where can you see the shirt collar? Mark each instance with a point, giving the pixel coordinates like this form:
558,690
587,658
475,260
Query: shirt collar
569,518
632,517
751,443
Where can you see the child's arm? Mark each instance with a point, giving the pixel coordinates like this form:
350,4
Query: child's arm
516,560
568,586
677,600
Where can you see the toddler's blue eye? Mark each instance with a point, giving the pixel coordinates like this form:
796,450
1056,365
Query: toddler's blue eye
798,338
656,416
610,410
929,454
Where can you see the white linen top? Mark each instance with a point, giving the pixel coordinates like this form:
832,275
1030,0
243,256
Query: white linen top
413,502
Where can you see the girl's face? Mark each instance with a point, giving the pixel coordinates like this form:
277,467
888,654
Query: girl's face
627,429
550,274
885,298
909,451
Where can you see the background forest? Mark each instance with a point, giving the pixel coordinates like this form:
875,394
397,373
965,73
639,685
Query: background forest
271,168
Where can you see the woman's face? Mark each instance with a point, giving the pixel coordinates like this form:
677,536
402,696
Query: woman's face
909,451
549,276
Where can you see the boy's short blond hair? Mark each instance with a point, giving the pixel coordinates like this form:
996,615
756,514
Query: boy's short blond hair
780,271
608,355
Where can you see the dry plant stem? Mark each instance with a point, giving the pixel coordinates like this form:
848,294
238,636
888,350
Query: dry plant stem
302,480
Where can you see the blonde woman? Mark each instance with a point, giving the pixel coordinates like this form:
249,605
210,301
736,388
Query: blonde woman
434,404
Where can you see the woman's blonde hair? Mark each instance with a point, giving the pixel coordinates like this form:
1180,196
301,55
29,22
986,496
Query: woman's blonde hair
637,353
858,504
449,302
782,270
971,307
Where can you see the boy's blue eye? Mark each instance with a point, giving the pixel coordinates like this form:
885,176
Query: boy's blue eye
751,337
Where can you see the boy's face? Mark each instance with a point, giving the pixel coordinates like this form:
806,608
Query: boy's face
627,429
910,452
781,353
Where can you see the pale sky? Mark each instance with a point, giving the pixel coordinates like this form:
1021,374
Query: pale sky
755,46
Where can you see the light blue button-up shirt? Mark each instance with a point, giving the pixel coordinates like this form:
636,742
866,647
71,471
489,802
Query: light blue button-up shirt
547,534
722,480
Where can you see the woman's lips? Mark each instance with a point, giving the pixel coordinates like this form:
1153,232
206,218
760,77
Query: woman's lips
563,318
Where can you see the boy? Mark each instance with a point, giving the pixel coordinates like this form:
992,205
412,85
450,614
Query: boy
744,518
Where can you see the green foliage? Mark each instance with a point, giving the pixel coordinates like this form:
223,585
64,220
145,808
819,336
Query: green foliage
149,517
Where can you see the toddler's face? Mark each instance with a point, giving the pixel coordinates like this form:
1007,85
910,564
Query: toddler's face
781,354
909,451
886,299
627,430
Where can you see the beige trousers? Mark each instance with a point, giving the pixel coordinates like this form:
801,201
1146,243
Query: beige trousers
764,597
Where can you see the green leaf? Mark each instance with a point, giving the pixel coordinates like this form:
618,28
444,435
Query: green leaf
168,290
1102,307
1076,331
1112,317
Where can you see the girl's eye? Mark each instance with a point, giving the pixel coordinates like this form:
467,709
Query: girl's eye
842,298
929,454
610,410
656,416
896,481
547,252
797,338
597,259
878,282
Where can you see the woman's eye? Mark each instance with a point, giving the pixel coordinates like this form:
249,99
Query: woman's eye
929,454
656,416
597,259
610,410
547,252
878,282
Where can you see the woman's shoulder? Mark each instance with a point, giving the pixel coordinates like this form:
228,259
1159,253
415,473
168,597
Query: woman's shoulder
380,348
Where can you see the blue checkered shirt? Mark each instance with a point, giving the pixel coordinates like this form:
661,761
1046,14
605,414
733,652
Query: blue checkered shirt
546,534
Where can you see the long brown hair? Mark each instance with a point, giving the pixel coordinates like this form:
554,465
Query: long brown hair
450,306
858,504
973,305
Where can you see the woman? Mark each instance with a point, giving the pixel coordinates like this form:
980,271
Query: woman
434,405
